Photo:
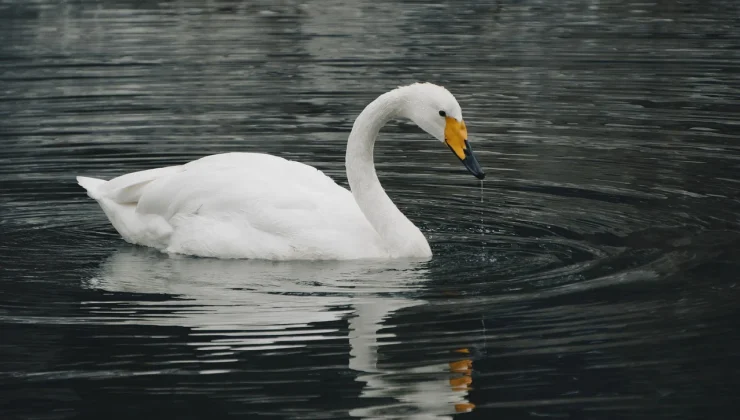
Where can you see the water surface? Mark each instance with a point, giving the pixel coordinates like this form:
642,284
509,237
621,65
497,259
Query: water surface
593,274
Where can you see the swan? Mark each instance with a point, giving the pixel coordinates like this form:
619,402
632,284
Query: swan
259,206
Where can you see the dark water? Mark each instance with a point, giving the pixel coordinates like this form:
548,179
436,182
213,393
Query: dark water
593,275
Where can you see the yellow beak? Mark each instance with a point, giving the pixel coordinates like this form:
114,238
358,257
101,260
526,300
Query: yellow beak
456,138
455,135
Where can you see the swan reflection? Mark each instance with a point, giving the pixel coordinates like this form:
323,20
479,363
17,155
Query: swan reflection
251,305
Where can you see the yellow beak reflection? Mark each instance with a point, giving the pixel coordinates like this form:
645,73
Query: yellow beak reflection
456,138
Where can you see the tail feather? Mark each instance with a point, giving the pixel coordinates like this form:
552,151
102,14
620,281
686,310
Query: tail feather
92,185
118,199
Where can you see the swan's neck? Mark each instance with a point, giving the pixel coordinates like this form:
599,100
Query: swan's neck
400,237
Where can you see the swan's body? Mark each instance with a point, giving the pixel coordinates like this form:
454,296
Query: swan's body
240,205
249,205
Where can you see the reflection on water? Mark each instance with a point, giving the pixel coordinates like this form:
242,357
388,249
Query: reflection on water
245,294
231,306
593,275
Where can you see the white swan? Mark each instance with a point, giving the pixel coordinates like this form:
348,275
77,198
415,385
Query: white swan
251,205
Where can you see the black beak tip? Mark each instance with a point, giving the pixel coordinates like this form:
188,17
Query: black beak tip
471,163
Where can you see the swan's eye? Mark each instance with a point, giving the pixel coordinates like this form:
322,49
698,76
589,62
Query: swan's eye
442,114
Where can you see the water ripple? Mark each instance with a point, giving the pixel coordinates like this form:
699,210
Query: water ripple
593,272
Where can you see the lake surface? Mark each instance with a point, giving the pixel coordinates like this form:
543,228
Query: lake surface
592,275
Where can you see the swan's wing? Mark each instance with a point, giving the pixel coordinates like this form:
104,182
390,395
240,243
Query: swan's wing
258,206
238,182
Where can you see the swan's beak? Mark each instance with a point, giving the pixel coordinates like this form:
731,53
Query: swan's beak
456,138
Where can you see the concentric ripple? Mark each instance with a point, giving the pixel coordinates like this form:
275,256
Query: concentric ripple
592,274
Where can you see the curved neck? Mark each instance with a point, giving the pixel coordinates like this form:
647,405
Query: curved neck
399,235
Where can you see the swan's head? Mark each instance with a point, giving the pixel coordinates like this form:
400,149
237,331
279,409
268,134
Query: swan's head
436,111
